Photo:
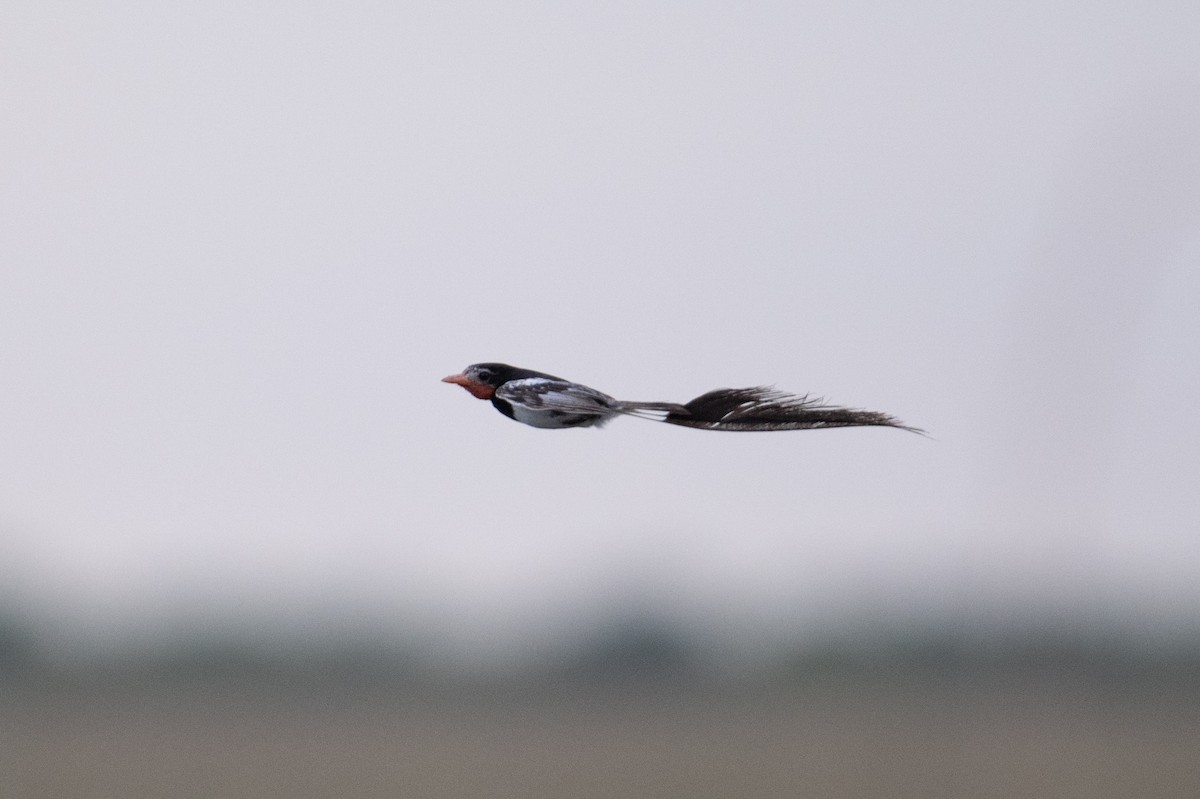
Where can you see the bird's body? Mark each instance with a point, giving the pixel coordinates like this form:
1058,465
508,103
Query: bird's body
541,400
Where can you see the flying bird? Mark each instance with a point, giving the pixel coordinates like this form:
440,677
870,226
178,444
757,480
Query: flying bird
541,400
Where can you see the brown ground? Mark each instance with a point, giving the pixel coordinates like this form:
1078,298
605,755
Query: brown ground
822,736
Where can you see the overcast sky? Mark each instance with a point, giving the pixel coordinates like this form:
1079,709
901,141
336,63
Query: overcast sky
241,243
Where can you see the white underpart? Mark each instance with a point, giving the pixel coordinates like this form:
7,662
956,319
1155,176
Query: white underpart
535,417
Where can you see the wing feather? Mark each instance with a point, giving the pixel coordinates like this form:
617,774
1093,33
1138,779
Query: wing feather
543,394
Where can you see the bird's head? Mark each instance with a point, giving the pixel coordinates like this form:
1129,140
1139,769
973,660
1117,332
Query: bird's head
482,379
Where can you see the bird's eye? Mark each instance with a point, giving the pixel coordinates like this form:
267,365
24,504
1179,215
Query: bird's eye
484,375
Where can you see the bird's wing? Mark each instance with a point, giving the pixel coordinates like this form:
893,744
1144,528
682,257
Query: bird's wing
763,408
550,394
736,409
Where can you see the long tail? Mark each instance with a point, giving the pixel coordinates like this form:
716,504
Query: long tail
760,408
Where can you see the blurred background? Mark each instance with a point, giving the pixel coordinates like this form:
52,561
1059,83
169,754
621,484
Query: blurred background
250,546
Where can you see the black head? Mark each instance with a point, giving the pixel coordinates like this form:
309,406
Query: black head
491,374
482,379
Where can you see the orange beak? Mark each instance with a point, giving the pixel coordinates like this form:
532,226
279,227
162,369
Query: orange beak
478,390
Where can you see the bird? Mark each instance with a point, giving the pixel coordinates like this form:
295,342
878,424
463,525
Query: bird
544,401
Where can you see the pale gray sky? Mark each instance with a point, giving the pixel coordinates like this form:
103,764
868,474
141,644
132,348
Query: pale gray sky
242,242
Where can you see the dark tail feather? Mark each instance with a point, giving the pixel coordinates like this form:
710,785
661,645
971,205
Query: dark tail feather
761,408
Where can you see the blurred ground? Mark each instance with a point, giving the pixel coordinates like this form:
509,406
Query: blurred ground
923,722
